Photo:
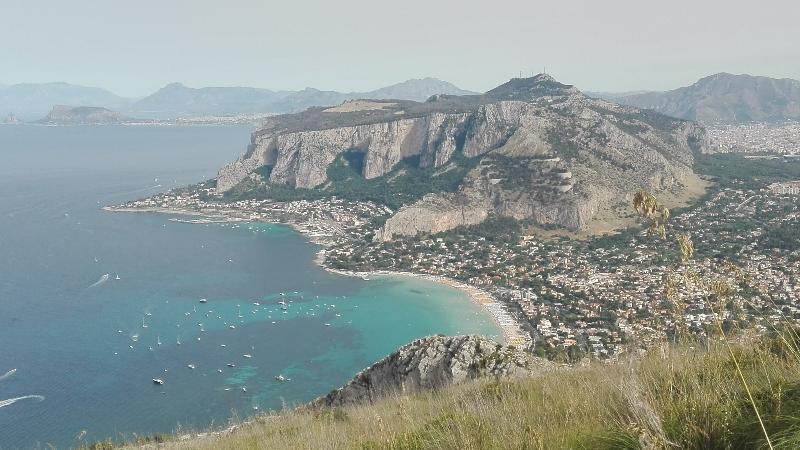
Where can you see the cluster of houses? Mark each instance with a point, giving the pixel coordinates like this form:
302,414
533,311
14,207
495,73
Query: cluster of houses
568,295
782,138
599,298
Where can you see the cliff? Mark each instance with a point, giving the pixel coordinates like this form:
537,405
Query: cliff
541,150
433,363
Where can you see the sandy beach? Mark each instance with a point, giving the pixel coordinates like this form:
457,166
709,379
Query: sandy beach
513,334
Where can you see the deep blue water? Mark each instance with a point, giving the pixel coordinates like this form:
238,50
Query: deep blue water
71,343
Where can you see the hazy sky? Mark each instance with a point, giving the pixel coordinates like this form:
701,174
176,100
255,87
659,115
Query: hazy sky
135,47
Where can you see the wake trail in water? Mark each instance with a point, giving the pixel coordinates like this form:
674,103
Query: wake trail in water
102,280
8,374
11,401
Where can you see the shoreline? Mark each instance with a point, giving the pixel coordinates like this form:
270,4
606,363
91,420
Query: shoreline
511,331
509,328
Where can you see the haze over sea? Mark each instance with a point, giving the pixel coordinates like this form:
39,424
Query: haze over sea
82,340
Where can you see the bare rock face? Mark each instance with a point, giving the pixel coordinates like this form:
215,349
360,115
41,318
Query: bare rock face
433,363
544,152
301,158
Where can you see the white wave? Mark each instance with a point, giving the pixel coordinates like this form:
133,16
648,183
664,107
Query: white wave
8,374
102,280
11,401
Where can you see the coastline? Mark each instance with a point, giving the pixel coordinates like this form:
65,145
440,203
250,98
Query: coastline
508,325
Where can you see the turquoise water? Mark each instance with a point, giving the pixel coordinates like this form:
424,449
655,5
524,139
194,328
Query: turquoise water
70,341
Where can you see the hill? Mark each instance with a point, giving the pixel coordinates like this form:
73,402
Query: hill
531,149
677,397
726,98
82,115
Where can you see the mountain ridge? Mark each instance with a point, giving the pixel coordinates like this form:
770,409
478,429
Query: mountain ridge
530,149
33,100
725,98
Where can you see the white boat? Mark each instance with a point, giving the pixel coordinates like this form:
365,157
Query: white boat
202,300
231,365
158,340
244,389
191,366
280,378
158,381
247,356
118,278
144,325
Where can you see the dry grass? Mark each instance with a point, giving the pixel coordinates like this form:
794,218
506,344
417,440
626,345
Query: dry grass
360,105
675,397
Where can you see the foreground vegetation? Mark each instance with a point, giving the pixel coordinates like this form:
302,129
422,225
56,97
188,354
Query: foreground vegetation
679,396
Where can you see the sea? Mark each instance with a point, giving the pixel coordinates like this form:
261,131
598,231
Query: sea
94,305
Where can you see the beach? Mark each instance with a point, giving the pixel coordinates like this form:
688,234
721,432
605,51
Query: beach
513,334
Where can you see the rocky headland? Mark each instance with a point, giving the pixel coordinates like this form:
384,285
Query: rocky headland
83,115
532,149
432,363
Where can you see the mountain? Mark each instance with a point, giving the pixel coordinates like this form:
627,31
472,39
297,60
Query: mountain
32,100
432,363
414,89
612,96
726,98
176,100
531,149
82,115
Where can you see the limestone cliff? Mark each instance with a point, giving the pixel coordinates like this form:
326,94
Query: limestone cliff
435,362
544,152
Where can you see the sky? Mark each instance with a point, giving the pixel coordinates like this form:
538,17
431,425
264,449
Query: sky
135,47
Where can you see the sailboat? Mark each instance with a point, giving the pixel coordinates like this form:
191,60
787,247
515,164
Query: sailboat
158,340
118,278
144,325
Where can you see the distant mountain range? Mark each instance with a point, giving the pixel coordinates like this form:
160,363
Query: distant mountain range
723,99
29,101
32,101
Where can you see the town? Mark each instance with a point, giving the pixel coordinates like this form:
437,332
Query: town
760,137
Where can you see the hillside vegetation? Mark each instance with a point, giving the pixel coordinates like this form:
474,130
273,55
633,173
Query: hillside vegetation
681,396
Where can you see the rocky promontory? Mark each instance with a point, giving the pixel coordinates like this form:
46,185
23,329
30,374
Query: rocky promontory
432,363
83,115
535,149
